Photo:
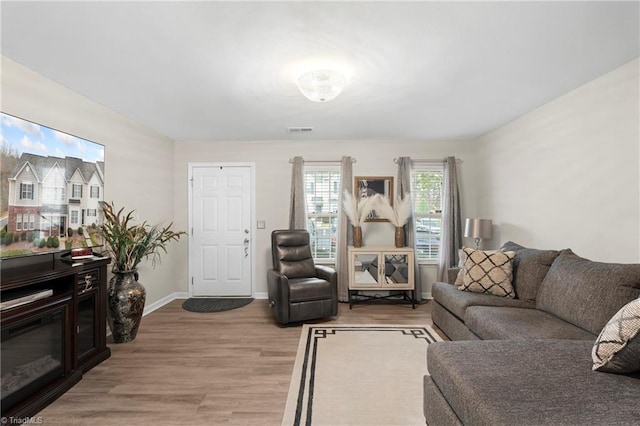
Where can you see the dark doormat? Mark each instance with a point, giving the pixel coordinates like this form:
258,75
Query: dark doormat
215,304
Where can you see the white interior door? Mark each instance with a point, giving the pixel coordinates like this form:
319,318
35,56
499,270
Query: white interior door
220,245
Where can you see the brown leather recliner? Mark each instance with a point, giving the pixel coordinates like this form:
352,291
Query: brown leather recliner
298,289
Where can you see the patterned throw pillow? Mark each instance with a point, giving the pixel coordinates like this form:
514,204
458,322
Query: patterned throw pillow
463,258
488,272
617,349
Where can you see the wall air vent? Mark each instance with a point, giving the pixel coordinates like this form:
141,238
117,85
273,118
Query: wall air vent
299,129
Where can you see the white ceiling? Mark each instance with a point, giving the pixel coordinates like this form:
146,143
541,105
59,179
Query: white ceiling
226,70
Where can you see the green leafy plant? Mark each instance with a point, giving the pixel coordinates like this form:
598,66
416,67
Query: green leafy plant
129,243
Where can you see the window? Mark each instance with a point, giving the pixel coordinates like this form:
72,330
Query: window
26,191
92,212
18,222
322,191
74,217
426,191
53,194
32,221
94,191
77,190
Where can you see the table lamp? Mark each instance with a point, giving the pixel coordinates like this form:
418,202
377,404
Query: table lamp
478,229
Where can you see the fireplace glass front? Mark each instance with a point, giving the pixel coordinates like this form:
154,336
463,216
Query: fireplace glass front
32,354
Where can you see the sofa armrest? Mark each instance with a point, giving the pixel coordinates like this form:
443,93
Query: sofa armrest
326,273
278,290
330,275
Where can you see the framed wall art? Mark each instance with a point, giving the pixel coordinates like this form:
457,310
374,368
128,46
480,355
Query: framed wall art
368,186
51,189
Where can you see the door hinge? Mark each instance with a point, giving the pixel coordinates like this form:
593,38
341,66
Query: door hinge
192,231
191,280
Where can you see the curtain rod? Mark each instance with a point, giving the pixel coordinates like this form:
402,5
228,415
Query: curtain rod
427,160
353,160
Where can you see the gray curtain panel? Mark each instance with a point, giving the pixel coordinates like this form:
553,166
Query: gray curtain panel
298,209
344,230
451,238
404,190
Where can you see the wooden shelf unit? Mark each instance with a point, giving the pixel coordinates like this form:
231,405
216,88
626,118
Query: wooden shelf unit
80,297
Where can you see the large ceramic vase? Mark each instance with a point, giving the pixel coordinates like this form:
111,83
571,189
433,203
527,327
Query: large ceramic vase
126,297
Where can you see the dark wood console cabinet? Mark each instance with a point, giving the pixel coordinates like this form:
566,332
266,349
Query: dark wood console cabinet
71,322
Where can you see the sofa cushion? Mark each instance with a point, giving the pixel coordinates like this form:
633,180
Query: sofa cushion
449,324
308,289
458,301
617,349
586,293
520,324
530,266
549,382
488,272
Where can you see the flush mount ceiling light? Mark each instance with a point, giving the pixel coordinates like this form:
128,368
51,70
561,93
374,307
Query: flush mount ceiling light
321,85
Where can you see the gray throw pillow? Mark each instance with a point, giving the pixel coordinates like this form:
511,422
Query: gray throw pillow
617,349
530,266
587,293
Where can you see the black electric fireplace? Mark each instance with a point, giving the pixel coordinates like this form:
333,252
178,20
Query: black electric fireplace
53,324
33,352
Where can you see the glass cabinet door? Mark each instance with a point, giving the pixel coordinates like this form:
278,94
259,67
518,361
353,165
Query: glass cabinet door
397,269
87,308
365,269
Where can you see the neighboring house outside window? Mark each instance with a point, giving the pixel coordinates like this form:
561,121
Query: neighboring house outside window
92,212
32,221
74,217
426,192
94,191
18,222
26,191
77,190
322,193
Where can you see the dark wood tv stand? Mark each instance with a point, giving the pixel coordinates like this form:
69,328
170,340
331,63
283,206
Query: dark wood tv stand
79,299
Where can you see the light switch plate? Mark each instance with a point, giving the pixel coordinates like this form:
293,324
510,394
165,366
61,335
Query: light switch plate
262,224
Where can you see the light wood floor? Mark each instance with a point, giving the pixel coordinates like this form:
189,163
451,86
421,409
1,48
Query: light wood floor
187,368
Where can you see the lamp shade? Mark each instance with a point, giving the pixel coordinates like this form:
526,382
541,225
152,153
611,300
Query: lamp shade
478,228
321,85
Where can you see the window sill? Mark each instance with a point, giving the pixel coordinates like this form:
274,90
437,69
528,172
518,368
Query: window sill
427,263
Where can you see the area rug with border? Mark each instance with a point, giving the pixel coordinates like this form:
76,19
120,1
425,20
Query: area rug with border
359,375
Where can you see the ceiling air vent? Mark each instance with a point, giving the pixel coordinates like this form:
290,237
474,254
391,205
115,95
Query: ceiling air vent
299,129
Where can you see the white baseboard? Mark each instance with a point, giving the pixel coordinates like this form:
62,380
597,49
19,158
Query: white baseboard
167,299
261,295
427,295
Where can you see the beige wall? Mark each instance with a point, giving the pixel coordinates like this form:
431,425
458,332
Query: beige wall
273,180
564,175
567,173
138,162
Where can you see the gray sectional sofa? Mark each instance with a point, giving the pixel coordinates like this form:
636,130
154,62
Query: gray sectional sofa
528,360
